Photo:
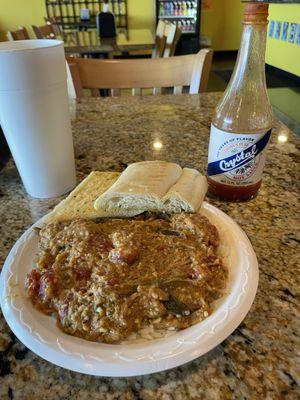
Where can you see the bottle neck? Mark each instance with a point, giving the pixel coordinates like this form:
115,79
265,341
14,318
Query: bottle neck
245,105
105,7
250,65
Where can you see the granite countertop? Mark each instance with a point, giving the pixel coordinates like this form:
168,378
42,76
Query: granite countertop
260,360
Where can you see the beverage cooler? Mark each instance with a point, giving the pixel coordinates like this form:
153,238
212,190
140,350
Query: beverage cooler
186,15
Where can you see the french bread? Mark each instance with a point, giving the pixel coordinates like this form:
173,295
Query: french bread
139,188
187,193
146,186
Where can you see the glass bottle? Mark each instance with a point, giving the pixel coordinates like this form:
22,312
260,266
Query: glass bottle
241,126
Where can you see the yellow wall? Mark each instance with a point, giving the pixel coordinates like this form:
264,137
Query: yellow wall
282,54
223,24
14,13
140,14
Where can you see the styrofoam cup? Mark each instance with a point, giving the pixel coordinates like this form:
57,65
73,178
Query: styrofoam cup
34,115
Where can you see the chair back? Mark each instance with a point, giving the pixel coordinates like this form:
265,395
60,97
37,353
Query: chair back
166,39
172,34
55,25
44,31
160,39
137,74
20,34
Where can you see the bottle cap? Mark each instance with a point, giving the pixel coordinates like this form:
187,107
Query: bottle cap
256,13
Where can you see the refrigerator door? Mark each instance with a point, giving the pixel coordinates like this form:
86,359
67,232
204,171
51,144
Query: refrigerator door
185,14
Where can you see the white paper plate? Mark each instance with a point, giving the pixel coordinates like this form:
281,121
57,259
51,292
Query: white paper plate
40,334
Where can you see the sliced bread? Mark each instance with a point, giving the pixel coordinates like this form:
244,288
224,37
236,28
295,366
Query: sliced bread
139,188
155,186
187,194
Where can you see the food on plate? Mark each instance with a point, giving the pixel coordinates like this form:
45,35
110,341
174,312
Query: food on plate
108,279
80,202
187,193
119,255
155,186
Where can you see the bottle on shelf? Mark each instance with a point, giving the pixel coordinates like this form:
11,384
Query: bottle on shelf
192,10
180,9
84,14
165,8
241,126
165,5
122,8
161,9
105,21
184,8
173,8
188,8
106,7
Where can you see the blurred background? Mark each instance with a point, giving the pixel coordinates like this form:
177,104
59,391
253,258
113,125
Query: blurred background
206,23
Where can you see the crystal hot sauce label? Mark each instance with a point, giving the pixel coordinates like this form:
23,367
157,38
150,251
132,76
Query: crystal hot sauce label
236,159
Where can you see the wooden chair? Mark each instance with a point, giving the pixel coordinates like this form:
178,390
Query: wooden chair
155,73
166,39
160,39
56,27
44,31
172,34
20,34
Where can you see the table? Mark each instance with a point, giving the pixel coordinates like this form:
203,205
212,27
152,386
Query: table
259,360
88,42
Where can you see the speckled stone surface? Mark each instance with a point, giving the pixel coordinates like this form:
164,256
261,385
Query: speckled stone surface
261,359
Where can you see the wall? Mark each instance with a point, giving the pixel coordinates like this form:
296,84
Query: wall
282,54
14,13
140,14
223,24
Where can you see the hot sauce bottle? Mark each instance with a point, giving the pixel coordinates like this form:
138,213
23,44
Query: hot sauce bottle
241,126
